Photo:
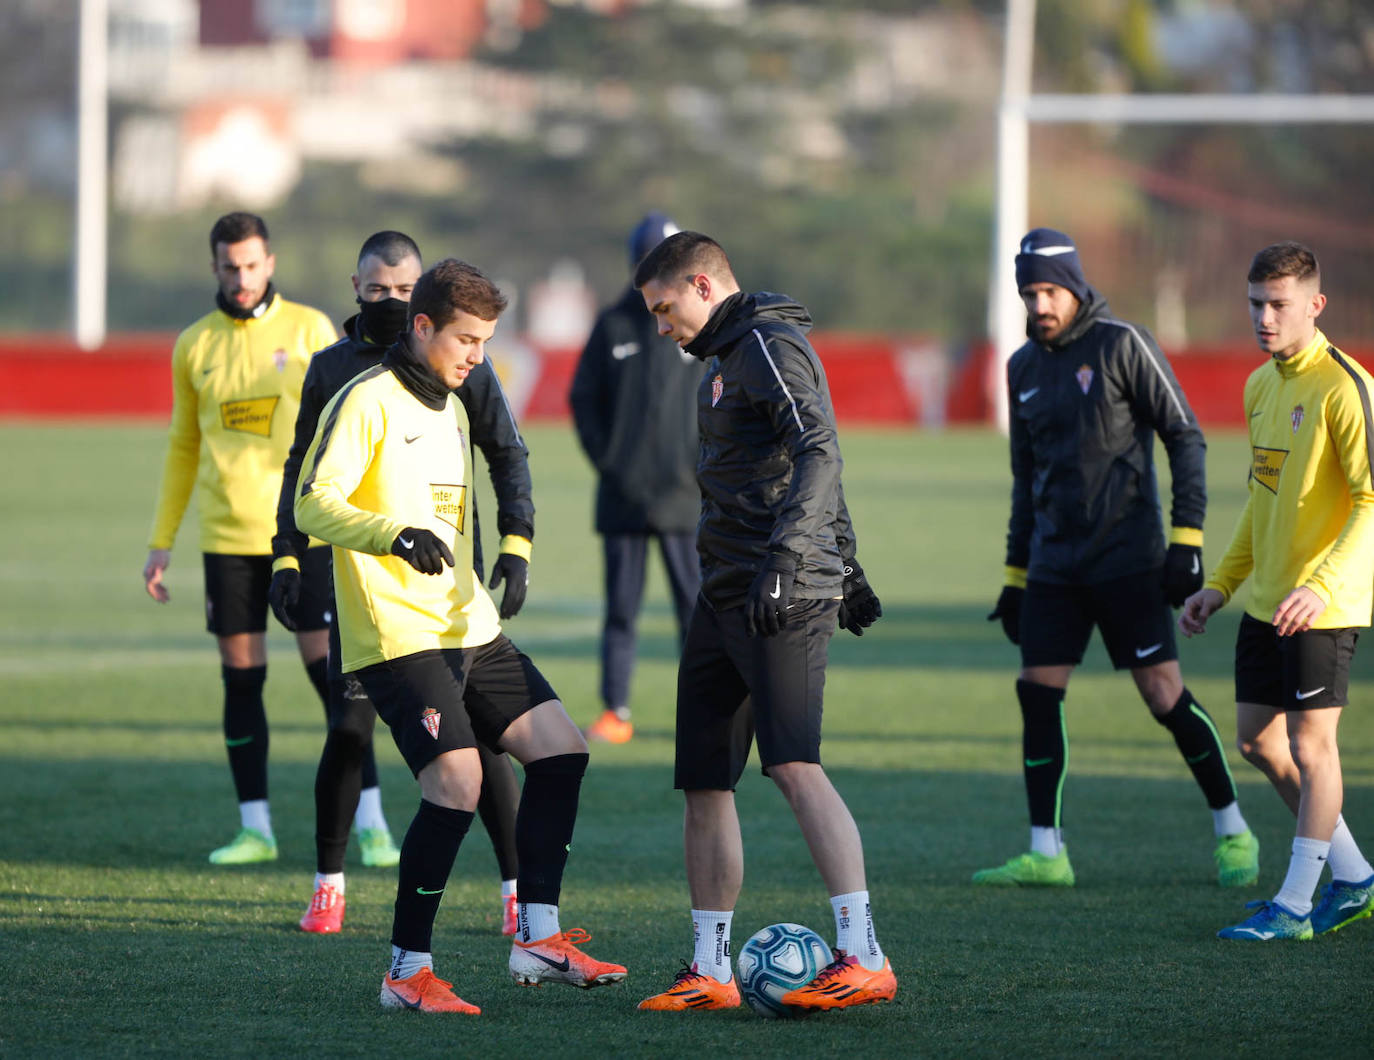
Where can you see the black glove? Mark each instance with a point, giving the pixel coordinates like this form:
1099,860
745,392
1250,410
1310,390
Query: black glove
1182,573
859,606
422,550
765,612
283,594
516,570
1008,609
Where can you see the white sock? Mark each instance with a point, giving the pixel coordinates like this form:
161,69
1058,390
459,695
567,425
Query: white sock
369,812
1047,841
1347,863
254,814
330,879
405,963
537,921
1229,821
1304,870
507,889
854,928
711,942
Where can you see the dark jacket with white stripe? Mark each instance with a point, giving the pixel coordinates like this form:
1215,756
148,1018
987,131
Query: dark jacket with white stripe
769,469
489,415
1084,410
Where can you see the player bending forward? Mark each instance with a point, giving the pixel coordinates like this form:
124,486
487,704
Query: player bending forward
386,482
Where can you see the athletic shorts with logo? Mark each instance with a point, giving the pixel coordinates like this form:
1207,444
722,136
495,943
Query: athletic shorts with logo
449,698
732,688
1135,620
1302,671
236,592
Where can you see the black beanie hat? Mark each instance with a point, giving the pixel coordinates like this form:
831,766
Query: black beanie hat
1048,256
649,233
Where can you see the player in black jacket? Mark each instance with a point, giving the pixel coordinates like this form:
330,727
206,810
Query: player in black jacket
388,266
633,402
1085,546
778,568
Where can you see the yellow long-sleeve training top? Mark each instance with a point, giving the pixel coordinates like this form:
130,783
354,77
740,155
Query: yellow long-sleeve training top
236,386
1309,519
381,462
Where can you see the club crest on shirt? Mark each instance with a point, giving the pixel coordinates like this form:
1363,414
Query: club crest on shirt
279,359
429,718
1296,417
1084,375
249,416
450,501
1265,466
717,389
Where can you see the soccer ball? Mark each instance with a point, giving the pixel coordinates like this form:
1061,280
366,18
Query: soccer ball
777,959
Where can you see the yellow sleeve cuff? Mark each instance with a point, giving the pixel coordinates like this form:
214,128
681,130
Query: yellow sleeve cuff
285,563
1016,577
1185,535
516,545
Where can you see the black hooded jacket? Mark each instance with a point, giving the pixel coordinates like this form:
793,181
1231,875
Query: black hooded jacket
633,401
489,415
1084,410
769,469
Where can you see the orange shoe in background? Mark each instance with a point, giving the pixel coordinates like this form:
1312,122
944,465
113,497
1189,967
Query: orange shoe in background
326,912
842,983
609,728
424,992
510,915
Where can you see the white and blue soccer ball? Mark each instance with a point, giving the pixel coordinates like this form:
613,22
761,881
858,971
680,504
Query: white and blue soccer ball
775,960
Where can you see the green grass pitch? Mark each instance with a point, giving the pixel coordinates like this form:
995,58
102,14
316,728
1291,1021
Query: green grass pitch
118,938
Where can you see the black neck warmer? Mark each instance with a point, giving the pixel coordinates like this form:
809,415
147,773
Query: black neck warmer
229,309
415,375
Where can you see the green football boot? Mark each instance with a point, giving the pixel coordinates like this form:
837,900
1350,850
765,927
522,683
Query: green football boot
248,848
1030,870
378,849
1237,858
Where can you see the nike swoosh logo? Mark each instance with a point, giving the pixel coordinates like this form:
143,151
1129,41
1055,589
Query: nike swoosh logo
1026,395
411,437
561,966
405,543
1196,565
421,890
402,999
624,349
1309,695
1197,758
239,742
1031,763
1140,653
777,587
1258,412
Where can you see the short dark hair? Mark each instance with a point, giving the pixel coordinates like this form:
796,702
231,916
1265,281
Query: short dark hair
236,227
452,287
1278,260
392,247
681,255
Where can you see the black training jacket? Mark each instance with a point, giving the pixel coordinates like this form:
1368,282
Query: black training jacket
769,469
489,415
633,401
1084,411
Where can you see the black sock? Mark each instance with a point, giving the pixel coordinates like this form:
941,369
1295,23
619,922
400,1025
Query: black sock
337,783
318,672
245,729
1200,745
427,854
544,825
1045,750
498,804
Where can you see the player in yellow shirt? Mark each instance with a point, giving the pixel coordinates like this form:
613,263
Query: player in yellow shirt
1306,541
387,482
236,384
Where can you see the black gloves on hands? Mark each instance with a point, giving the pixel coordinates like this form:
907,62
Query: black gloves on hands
765,611
516,571
1182,573
1008,609
283,595
859,606
422,550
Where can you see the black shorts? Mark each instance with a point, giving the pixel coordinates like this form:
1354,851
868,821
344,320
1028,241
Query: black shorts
1135,620
438,701
1303,671
731,686
236,592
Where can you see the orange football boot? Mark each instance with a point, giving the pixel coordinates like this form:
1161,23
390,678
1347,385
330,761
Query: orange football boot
609,728
557,959
424,992
842,983
326,912
693,990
